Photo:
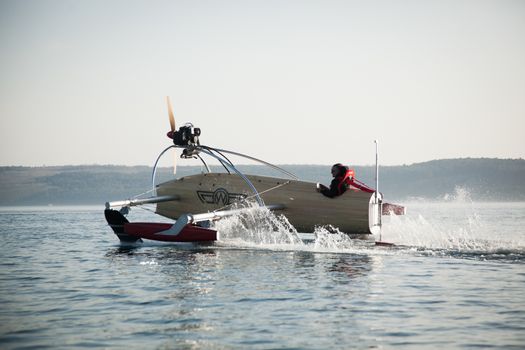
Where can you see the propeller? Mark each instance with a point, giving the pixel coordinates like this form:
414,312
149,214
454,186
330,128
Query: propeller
172,117
170,133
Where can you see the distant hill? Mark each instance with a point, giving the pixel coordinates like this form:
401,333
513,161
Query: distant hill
484,179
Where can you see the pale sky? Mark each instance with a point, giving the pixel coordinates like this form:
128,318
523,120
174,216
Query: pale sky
301,82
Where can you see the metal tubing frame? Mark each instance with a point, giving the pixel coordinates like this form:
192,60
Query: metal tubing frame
154,173
292,176
225,162
248,182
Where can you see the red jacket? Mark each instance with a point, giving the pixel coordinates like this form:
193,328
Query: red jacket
341,183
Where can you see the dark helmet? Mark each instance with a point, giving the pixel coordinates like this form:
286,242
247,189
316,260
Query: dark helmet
341,169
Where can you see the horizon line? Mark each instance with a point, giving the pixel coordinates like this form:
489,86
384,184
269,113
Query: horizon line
245,164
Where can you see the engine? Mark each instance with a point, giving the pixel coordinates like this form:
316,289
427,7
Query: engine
187,135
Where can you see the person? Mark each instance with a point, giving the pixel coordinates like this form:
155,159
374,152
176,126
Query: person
342,176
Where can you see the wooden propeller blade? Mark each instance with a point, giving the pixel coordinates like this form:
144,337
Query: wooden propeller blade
170,112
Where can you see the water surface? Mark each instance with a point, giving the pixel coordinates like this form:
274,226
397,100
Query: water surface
455,280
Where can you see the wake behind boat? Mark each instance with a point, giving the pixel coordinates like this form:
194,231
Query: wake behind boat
196,201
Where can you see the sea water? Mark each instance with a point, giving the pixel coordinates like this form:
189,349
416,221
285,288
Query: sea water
454,280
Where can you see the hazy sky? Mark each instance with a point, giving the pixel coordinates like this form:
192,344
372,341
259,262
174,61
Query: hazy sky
303,82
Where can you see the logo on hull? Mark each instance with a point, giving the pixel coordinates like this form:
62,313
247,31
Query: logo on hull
220,196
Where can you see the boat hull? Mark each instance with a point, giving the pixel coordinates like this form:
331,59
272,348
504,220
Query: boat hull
303,206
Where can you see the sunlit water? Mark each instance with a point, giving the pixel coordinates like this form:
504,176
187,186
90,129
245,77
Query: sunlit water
455,280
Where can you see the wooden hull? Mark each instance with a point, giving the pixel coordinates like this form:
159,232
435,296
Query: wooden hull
304,207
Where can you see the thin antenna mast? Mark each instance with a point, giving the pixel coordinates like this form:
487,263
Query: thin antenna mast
377,169
377,189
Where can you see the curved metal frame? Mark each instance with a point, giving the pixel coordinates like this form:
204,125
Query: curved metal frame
225,162
248,182
260,161
203,162
154,173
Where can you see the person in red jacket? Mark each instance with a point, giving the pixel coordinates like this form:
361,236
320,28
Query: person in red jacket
342,178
